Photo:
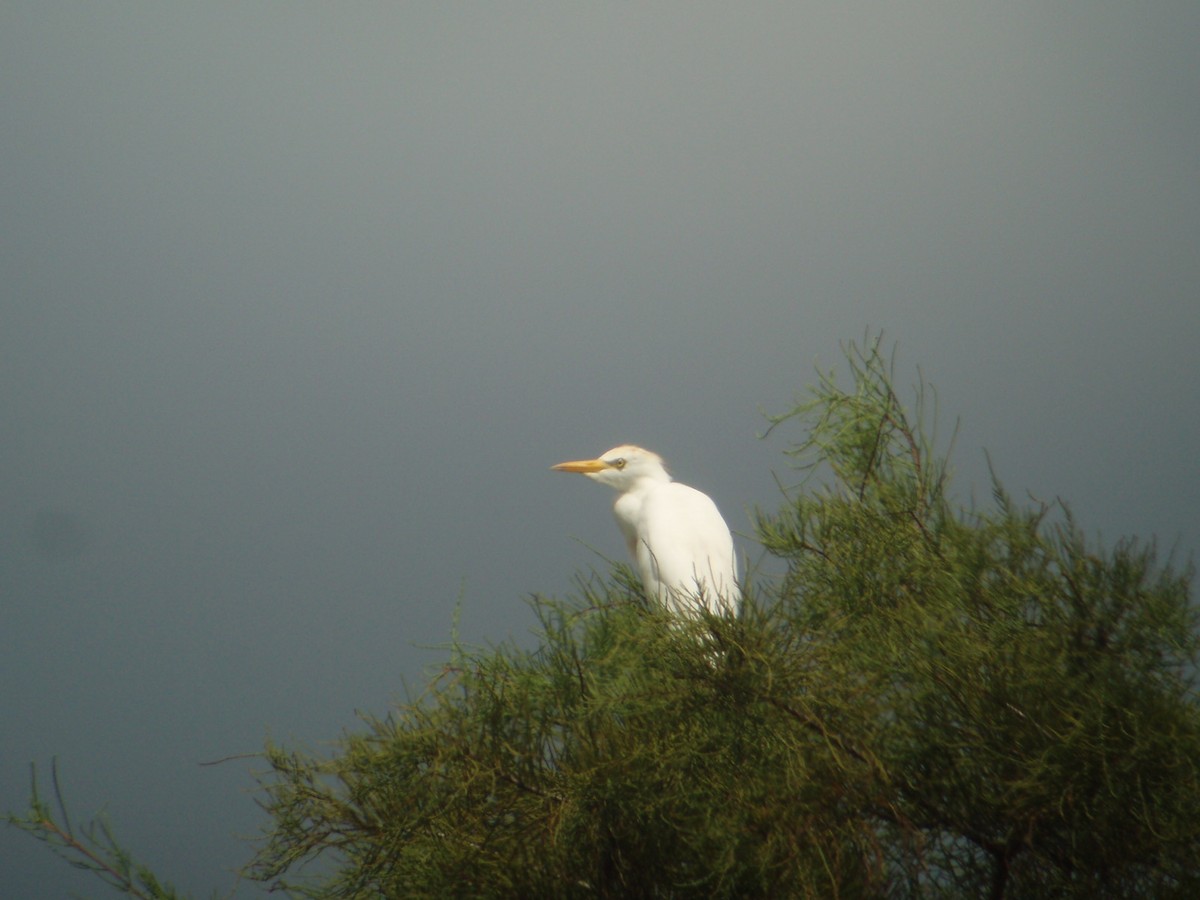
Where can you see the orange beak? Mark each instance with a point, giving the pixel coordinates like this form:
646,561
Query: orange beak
582,466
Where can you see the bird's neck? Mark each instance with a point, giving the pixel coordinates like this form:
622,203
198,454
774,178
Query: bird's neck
647,482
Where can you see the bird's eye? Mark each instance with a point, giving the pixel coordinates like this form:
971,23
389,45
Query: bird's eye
619,463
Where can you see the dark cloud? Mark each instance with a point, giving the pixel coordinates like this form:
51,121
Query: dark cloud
57,536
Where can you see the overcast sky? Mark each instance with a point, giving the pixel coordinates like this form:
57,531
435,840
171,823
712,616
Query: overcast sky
301,300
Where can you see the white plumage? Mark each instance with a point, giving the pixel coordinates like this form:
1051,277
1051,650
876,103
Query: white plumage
675,534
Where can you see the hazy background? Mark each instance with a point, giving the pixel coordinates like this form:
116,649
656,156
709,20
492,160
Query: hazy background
301,300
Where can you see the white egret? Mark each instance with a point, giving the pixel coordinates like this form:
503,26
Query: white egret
675,534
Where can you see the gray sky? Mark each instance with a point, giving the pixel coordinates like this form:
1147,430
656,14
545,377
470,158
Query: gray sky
301,300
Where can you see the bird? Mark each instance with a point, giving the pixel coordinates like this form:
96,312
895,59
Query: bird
675,534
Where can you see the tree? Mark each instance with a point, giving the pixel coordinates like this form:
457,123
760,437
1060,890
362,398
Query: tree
935,700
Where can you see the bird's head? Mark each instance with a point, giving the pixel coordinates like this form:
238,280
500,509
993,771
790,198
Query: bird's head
621,467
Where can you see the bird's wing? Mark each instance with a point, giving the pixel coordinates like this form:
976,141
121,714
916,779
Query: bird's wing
684,547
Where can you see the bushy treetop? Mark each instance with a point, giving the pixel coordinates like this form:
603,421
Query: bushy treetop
935,700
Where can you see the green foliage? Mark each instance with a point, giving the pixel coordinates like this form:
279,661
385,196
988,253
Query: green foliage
1031,697
934,701
630,755
92,847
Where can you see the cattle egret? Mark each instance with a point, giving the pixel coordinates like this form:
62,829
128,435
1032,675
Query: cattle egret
675,534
